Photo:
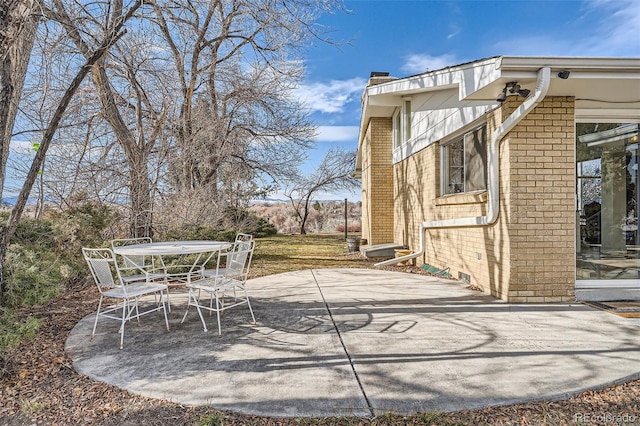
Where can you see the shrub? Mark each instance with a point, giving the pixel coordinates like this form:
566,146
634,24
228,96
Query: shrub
252,224
32,276
199,233
45,255
263,229
12,332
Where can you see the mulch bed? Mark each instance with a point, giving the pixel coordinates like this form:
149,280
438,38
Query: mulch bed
39,386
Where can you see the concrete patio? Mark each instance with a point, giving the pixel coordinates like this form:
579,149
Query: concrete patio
363,342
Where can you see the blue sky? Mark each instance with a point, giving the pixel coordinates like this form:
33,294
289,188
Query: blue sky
411,37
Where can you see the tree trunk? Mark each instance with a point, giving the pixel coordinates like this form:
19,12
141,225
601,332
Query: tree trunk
139,186
140,198
304,216
6,97
13,69
14,58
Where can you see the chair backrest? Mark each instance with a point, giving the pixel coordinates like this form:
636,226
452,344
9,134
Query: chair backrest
239,260
102,265
243,237
131,262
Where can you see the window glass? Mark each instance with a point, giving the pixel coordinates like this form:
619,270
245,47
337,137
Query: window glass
464,165
455,165
407,120
475,160
607,180
397,130
402,124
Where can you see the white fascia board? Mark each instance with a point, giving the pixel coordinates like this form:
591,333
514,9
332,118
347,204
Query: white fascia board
607,115
568,63
472,77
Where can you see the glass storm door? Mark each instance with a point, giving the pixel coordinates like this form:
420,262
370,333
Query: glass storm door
607,243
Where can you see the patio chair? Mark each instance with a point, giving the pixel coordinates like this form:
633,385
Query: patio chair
242,240
243,237
137,268
102,265
230,279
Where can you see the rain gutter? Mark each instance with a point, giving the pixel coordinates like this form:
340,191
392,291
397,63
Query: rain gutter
493,158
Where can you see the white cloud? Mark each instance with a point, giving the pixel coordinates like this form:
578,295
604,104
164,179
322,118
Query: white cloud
615,33
618,29
455,30
331,97
418,63
337,133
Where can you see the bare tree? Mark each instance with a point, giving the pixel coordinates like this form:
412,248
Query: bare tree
111,35
128,106
207,84
237,67
334,173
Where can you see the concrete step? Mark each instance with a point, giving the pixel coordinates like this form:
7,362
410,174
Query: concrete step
380,250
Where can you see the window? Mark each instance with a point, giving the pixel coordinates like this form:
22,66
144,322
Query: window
607,182
464,163
397,129
407,119
402,124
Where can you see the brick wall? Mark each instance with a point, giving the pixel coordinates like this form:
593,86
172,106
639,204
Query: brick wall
528,255
377,182
540,203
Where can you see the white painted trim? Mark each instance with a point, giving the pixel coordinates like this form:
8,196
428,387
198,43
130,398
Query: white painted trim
591,284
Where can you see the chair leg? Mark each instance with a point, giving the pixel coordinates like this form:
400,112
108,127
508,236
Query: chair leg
188,305
204,324
164,310
124,318
249,303
218,315
168,301
195,303
137,311
95,323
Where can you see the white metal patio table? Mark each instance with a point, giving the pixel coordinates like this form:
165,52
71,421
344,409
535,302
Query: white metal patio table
203,251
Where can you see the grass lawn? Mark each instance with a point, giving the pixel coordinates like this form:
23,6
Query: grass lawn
284,253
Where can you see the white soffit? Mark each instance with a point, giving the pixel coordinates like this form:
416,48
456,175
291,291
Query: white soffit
604,79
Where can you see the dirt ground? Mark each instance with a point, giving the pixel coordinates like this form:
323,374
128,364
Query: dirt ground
40,387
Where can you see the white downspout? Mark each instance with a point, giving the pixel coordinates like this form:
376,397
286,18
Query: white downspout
493,192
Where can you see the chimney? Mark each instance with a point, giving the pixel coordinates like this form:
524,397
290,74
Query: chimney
379,77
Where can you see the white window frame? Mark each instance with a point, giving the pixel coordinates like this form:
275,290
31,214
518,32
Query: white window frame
397,128
407,119
402,122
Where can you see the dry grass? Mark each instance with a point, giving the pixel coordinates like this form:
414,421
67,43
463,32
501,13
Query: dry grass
284,253
41,386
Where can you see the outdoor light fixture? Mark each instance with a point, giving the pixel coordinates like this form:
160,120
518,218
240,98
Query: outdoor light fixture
524,92
564,74
515,89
